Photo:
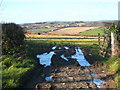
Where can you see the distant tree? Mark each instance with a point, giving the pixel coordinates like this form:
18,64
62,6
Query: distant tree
12,38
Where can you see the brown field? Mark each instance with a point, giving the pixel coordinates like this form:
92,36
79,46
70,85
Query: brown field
70,30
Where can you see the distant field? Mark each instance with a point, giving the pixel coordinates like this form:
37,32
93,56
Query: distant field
71,30
40,30
67,41
75,40
93,31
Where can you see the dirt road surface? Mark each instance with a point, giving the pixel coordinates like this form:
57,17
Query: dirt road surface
69,74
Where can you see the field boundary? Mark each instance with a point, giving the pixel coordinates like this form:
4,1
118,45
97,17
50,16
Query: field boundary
104,46
36,34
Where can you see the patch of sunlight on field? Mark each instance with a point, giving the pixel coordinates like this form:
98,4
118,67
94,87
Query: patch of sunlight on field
53,36
71,41
78,43
77,40
67,40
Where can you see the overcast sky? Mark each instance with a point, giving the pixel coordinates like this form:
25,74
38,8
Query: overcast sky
30,11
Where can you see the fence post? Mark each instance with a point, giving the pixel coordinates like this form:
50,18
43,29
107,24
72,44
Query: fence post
99,39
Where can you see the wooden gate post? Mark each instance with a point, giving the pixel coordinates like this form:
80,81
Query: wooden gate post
115,48
99,39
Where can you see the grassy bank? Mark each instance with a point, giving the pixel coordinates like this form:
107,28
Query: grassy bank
113,64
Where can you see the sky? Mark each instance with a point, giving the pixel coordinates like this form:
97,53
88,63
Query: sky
30,11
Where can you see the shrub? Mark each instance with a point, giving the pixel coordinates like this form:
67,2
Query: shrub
12,38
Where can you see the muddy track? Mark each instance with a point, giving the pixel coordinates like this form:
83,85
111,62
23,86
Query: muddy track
78,77
66,71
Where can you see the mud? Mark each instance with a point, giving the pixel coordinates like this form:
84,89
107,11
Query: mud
67,72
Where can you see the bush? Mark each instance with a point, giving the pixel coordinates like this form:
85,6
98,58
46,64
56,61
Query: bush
12,38
14,70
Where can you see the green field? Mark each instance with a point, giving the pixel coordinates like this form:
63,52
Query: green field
40,30
94,31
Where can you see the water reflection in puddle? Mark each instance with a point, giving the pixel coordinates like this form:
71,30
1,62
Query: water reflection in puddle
92,74
98,82
45,58
59,48
66,47
48,78
62,56
53,48
79,56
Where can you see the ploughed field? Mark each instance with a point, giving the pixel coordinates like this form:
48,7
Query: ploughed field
71,30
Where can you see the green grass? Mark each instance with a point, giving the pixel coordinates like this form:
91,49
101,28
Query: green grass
17,69
13,69
40,30
93,31
113,64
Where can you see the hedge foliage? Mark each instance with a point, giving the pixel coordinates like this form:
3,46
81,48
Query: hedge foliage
12,38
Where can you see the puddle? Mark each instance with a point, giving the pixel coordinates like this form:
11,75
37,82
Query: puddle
53,48
98,82
48,78
62,56
90,54
59,48
79,56
66,47
45,58
92,74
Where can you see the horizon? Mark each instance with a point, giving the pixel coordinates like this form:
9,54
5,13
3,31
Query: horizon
62,21
65,10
